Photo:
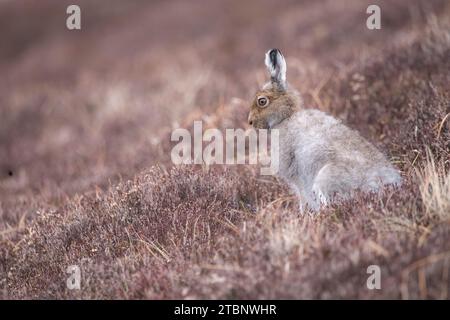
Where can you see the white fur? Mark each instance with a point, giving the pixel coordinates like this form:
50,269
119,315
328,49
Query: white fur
323,160
278,71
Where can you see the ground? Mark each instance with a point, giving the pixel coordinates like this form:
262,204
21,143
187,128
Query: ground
86,177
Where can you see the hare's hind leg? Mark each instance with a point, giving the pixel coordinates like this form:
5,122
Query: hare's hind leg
331,181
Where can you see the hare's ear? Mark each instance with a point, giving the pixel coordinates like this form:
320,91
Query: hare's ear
276,65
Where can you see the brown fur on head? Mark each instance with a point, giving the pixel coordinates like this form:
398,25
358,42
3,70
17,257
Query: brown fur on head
274,102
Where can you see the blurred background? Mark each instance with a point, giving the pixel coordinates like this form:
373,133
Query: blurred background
80,108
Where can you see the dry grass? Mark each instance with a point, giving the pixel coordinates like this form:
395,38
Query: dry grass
434,186
86,176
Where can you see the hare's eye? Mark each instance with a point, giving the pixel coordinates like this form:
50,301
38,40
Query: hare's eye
262,102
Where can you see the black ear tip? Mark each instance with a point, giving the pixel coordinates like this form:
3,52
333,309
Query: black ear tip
273,55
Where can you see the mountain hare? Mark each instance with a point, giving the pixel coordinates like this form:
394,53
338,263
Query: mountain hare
320,158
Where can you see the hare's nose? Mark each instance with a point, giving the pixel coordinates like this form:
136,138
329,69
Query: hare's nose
250,121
